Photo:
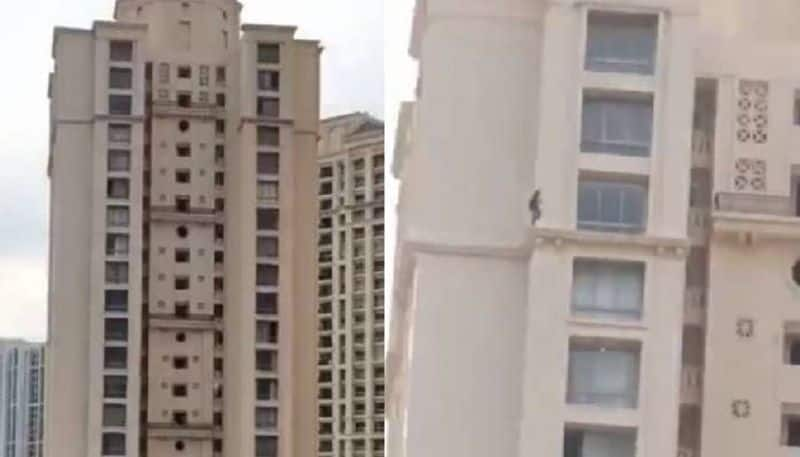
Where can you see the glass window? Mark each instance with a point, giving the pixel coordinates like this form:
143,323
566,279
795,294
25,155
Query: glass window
266,418
121,51
600,443
120,78
622,43
117,272
266,389
119,133
116,300
204,73
268,163
603,376
116,244
113,444
267,190
268,136
120,105
269,106
163,73
266,360
267,332
117,216
116,329
118,188
617,124
266,304
269,80
267,219
266,246
119,160
115,358
114,415
269,53
612,206
602,288
115,386
266,275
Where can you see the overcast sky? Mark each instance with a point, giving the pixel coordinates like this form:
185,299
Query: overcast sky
350,30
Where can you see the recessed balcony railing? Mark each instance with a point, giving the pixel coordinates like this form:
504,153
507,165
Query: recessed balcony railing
171,108
764,204
691,384
694,309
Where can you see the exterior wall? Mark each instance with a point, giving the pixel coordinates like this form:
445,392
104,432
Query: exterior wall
749,384
219,327
742,368
21,398
473,245
350,313
482,349
491,111
70,237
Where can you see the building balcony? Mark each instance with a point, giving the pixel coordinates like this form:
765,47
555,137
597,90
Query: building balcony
172,214
691,385
763,204
193,322
161,108
752,217
694,306
172,431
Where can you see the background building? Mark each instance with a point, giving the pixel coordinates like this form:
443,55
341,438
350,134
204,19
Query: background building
21,398
183,175
653,307
351,376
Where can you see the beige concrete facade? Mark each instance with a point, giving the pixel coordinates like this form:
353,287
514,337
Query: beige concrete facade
183,170
651,307
351,369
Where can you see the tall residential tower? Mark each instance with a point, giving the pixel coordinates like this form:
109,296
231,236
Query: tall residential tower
21,398
351,369
598,231
183,171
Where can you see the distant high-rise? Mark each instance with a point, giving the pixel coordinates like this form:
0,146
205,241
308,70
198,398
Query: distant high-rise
183,172
21,398
351,376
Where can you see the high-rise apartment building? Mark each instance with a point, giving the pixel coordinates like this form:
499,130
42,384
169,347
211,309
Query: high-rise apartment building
598,231
21,398
183,174
351,370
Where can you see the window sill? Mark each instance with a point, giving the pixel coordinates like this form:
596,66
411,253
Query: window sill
579,321
618,81
610,162
558,237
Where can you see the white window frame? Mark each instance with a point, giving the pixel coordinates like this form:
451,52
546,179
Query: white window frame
608,289
619,225
611,109
604,374
646,66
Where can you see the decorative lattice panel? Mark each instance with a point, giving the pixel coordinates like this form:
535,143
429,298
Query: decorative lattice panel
752,117
740,409
745,328
751,175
